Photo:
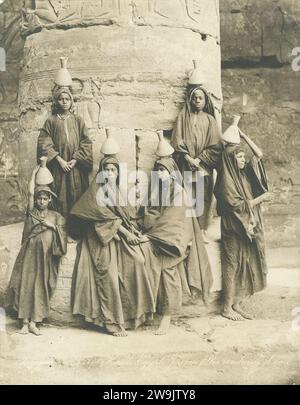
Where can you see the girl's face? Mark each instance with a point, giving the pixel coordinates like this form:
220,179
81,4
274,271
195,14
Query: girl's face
64,102
111,172
198,100
42,201
240,158
162,173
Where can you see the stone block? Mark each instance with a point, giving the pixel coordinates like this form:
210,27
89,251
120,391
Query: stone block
259,31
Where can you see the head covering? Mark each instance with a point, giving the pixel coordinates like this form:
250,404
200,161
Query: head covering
88,208
169,164
45,189
229,156
190,135
55,96
108,159
209,107
230,190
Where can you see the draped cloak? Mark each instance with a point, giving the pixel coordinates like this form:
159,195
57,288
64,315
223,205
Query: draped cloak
176,235
69,139
112,284
35,272
197,134
244,266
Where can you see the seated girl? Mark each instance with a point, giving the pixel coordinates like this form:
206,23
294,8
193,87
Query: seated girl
111,284
166,222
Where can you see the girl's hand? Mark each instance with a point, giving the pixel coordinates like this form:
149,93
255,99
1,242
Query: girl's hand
117,237
242,135
132,239
194,163
72,163
64,165
137,233
35,170
267,197
48,224
31,184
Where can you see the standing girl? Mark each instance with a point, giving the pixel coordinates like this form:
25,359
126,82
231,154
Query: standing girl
64,141
240,189
35,272
197,142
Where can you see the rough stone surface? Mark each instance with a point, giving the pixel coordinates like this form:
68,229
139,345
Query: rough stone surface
258,82
12,44
198,15
259,31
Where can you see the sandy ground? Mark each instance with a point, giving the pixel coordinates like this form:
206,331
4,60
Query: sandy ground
203,350
201,347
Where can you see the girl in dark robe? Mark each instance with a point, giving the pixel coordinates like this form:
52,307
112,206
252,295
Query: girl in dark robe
240,189
197,143
111,284
64,140
35,272
170,229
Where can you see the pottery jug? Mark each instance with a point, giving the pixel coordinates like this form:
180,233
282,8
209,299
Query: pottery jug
43,176
196,77
109,146
63,77
232,133
163,148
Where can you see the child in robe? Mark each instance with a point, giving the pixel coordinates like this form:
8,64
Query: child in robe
65,142
197,142
35,271
241,189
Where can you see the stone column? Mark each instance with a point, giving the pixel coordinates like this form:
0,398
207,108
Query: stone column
130,62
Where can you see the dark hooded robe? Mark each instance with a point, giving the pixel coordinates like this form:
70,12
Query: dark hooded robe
243,261
198,135
35,272
111,283
171,231
68,138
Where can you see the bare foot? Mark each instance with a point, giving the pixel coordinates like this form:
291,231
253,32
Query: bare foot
164,325
240,311
121,333
24,330
194,292
205,237
148,322
33,329
232,315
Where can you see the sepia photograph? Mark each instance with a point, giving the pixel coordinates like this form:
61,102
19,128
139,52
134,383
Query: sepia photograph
150,195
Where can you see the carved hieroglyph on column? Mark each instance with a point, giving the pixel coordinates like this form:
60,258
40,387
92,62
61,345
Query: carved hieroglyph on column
187,13
53,13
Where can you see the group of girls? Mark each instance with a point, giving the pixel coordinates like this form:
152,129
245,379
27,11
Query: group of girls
131,263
